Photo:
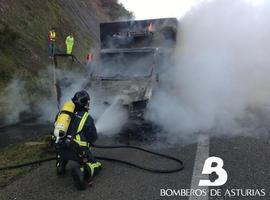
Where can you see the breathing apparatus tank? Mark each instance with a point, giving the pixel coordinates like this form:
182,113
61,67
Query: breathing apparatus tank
63,120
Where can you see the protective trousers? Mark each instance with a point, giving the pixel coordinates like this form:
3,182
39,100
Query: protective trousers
88,165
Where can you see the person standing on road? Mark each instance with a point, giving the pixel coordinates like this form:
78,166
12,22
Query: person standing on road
51,40
75,145
69,43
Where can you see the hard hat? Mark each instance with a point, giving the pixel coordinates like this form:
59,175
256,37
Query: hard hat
81,98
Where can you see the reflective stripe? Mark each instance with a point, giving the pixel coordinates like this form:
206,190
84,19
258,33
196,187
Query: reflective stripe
81,143
93,166
70,40
52,35
84,118
78,137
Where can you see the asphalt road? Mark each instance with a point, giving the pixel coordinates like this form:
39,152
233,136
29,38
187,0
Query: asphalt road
246,160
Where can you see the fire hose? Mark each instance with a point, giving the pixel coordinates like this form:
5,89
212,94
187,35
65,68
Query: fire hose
176,169
153,170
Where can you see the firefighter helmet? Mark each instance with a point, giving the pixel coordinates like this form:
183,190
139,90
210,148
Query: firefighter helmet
81,98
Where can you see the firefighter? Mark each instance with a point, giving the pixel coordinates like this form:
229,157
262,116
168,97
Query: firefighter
69,43
51,40
76,143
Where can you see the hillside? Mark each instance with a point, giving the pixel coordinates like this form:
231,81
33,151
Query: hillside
24,27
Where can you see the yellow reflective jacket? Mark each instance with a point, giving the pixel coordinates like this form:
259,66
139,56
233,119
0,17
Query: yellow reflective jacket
70,40
83,129
52,36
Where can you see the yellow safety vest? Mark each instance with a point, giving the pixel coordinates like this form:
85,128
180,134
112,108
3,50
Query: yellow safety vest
52,36
69,40
80,127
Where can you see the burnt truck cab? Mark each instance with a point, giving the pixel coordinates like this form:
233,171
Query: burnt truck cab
130,60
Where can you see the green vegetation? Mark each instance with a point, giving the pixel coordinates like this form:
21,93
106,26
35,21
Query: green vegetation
116,10
18,154
24,26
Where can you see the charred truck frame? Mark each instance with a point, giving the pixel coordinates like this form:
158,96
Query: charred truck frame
132,56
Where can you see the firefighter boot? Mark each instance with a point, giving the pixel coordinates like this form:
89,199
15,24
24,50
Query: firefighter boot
78,178
91,170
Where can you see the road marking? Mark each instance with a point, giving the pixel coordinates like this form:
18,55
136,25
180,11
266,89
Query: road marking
202,154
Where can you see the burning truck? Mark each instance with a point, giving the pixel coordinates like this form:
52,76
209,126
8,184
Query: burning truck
125,73
131,58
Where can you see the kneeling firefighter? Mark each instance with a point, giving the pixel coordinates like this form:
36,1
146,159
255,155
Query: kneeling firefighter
74,132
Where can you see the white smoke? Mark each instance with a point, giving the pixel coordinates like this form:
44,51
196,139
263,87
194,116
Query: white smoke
12,102
113,118
220,81
110,119
221,78
69,82
23,99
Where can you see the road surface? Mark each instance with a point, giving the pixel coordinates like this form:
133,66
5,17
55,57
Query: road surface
246,160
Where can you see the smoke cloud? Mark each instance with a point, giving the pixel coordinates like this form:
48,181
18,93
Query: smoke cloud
220,81
113,118
12,102
110,118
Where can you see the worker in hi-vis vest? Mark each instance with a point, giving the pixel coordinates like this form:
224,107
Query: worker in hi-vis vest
51,40
69,43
